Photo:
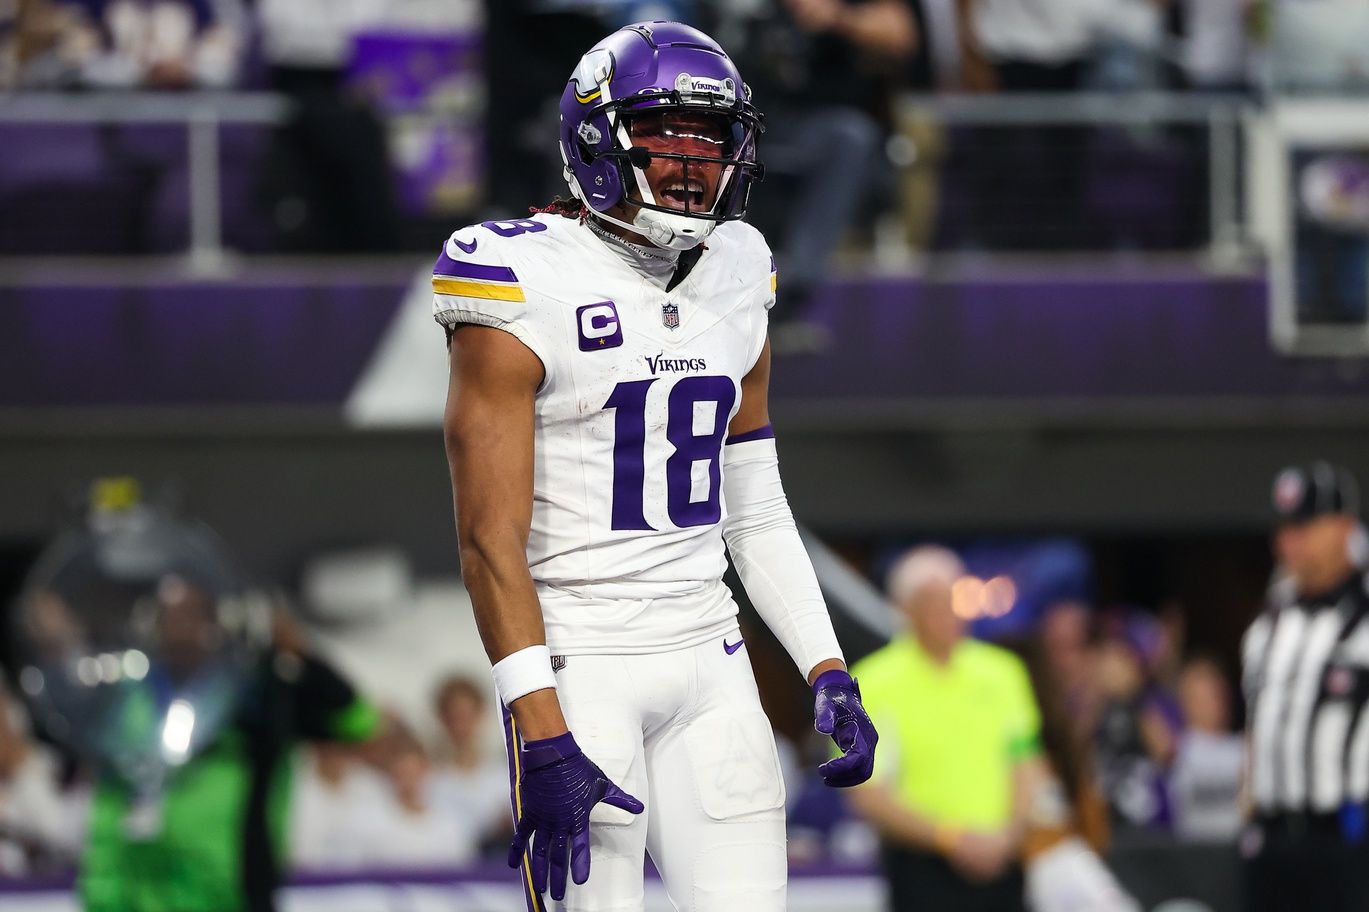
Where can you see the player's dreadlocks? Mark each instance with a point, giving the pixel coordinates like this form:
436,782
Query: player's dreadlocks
570,207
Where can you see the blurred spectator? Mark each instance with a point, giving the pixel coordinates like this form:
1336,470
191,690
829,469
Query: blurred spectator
1026,46
939,47
1216,45
1136,732
1315,46
821,71
411,830
218,836
40,827
329,184
959,748
395,808
1065,635
1066,817
31,43
9,43
333,810
1132,46
156,44
820,822
469,784
1305,664
1205,781
188,694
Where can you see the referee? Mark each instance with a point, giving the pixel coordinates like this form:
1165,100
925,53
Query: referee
1306,678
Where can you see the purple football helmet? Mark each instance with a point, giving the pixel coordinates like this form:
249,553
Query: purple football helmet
657,67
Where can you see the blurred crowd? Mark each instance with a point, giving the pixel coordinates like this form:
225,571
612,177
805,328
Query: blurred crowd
1158,723
975,45
1138,736
397,802
1143,730
402,804
408,117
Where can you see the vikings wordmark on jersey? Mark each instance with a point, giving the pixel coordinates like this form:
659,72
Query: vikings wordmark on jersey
631,418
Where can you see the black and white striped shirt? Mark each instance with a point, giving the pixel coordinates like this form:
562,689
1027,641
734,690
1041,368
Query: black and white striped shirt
1306,679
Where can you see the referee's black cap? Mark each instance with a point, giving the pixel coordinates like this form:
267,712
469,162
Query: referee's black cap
1303,492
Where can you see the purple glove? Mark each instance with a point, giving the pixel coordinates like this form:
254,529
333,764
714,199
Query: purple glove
557,788
837,712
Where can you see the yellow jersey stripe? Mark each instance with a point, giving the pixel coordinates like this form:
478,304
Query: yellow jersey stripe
773,281
468,288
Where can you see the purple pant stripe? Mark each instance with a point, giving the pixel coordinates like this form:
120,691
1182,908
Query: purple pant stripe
512,745
764,432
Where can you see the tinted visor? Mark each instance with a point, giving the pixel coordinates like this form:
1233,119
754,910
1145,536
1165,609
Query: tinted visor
707,134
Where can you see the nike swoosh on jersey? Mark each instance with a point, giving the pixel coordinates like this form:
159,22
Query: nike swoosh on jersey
467,248
733,647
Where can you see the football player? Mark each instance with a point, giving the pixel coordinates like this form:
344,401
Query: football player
608,432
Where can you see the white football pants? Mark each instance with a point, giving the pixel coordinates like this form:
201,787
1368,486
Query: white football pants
684,732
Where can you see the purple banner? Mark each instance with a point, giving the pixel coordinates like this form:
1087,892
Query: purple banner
184,344
1183,335
304,336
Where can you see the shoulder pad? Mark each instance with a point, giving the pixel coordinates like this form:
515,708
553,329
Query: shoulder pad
753,259
474,265
501,274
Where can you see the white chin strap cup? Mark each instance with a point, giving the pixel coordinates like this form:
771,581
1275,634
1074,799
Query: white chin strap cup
673,232
663,229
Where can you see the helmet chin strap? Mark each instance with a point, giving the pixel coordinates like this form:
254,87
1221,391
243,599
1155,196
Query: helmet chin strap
673,232
663,229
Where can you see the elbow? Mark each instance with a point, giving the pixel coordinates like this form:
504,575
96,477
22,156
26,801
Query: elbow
475,567
488,552
475,547
478,558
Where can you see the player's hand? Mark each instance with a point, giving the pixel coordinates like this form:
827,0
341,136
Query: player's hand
837,712
557,788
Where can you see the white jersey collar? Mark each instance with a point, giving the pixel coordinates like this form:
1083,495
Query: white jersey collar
655,264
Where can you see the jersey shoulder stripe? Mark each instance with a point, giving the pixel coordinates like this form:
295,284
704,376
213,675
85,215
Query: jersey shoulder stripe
489,290
457,276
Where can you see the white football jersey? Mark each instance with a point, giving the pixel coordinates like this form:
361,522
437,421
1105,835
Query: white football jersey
640,385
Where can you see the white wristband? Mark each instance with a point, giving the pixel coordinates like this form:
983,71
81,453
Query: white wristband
520,673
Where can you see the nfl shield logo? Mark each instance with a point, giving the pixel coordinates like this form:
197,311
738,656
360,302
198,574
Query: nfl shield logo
670,315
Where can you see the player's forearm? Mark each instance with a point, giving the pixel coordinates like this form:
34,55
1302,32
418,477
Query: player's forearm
509,619
771,560
783,588
507,612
